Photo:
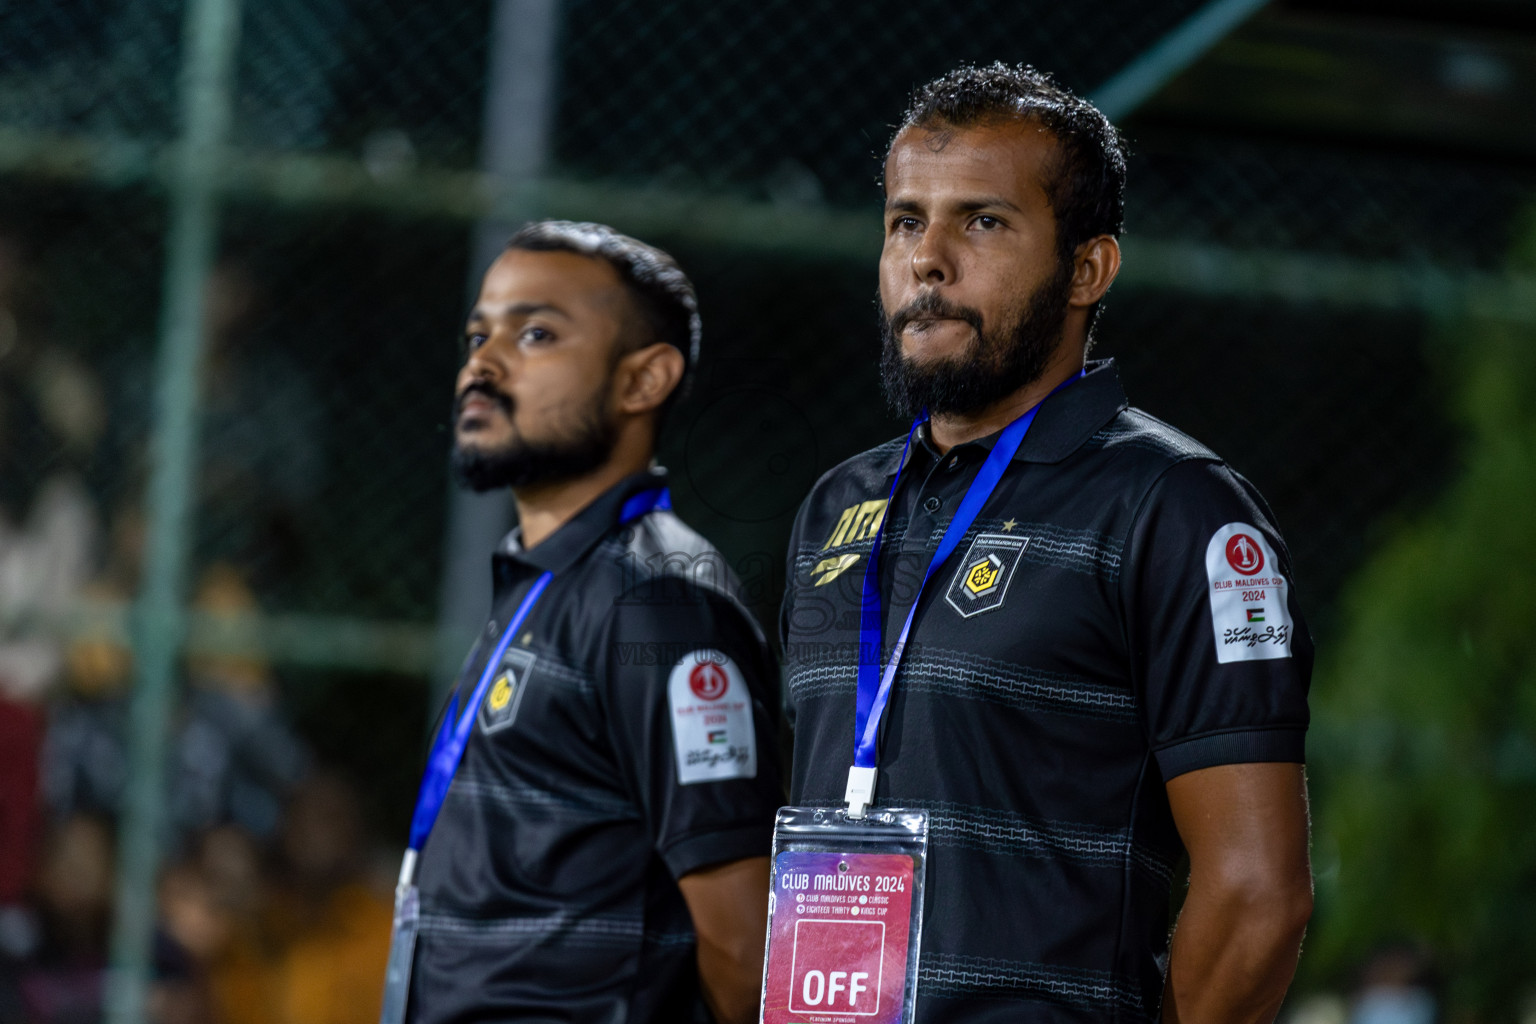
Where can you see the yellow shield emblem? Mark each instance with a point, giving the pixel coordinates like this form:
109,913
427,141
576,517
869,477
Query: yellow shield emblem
501,693
983,575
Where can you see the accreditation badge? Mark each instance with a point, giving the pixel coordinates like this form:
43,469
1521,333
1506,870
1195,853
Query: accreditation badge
845,916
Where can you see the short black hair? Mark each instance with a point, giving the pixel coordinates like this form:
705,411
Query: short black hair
662,292
1086,188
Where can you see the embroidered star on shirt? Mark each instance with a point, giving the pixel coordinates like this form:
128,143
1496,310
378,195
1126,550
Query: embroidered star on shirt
1009,525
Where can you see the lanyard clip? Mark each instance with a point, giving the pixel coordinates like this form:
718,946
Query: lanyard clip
861,790
407,870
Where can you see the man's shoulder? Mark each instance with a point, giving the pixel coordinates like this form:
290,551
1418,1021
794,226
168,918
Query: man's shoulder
1166,473
661,554
862,477
1142,439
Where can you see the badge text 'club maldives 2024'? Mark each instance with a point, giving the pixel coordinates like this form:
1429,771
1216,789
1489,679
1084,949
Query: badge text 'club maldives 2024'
838,943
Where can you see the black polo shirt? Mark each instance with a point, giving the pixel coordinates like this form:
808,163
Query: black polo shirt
1120,612
624,743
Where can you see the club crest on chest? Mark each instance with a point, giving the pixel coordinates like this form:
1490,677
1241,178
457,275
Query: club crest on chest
499,708
981,581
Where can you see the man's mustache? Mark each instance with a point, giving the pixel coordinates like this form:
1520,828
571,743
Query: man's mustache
484,389
933,306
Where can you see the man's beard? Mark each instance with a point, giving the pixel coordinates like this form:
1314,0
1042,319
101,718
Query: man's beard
584,446
993,366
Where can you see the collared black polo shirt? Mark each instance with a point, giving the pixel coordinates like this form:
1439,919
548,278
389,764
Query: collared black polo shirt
625,742
1120,612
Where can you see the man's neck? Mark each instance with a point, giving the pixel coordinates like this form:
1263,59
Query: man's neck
945,430
544,508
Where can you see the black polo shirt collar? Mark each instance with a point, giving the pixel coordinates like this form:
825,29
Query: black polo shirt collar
1066,420
565,547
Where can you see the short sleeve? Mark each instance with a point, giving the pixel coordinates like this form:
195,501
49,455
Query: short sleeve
1221,655
689,681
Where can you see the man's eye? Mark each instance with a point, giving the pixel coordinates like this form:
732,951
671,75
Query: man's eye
473,341
534,335
987,223
904,224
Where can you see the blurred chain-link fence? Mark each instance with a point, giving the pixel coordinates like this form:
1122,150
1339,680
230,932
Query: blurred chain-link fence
1289,301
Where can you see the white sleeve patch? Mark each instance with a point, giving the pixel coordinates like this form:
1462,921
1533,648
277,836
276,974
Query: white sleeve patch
1249,609
711,719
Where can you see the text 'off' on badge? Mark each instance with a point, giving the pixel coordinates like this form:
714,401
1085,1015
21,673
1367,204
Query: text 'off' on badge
839,938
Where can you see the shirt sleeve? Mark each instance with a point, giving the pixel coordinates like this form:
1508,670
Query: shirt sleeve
1220,651
689,684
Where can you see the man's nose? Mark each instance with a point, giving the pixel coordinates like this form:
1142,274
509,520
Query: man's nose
932,260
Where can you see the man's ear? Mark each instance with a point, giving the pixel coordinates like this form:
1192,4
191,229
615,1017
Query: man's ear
647,377
1097,263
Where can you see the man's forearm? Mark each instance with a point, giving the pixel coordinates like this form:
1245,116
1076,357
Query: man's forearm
732,981
1235,951
729,904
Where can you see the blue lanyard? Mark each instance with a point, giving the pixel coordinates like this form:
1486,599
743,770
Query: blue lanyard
874,690
453,735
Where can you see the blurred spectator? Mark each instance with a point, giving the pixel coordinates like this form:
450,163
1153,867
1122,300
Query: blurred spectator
1397,986
84,757
52,415
236,758
44,561
60,976
303,945
50,420
61,981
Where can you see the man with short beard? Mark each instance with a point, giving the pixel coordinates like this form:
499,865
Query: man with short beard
601,852
1108,668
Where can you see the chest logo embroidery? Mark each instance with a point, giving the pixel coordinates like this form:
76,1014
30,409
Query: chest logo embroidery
981,582
829,569
499,709
857,522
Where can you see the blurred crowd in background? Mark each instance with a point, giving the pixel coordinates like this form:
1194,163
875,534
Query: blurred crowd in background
274,904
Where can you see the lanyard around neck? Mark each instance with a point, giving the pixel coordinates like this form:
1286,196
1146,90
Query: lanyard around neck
453,735
874,688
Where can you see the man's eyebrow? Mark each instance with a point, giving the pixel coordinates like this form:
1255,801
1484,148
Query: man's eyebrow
986,203
520,309
970,205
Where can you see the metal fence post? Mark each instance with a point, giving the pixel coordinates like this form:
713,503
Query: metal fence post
210,34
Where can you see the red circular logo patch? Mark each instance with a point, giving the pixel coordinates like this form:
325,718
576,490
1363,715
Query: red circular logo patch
1244,554
708,681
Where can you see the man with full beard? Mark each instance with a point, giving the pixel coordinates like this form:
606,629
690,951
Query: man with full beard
1079,623
591,839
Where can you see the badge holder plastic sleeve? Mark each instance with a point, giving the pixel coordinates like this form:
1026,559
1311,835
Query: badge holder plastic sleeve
402,945
845,916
